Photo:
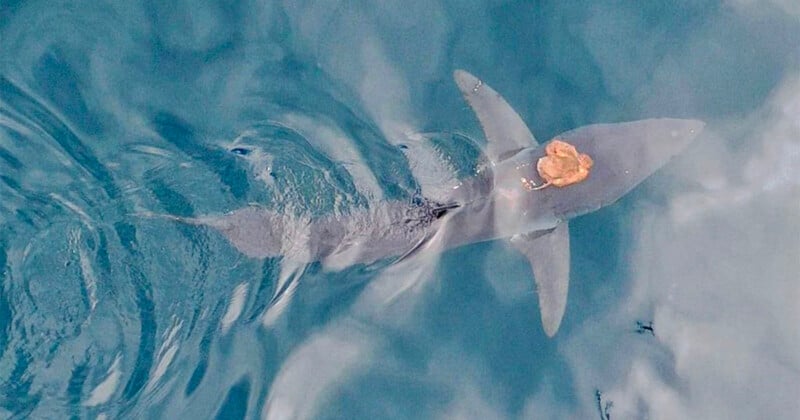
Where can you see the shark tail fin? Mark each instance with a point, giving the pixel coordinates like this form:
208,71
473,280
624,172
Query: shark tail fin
548,255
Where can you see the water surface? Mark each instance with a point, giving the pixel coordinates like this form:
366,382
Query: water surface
109,111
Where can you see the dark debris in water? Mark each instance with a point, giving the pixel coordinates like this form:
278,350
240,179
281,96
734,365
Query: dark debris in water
603,406
645,328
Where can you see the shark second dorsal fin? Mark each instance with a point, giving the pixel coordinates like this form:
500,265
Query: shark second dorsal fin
505,131
548,255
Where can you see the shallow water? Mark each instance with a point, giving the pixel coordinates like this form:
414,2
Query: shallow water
112,112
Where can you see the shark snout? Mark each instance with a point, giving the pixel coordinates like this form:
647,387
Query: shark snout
680,134
655,146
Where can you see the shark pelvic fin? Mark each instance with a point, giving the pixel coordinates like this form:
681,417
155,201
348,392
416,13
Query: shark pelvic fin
548,255
505,131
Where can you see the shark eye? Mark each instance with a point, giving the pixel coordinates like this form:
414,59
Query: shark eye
240,151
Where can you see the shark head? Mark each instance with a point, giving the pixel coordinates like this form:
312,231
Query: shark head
533,215
623,155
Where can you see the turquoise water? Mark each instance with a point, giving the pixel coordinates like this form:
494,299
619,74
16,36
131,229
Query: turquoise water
112,111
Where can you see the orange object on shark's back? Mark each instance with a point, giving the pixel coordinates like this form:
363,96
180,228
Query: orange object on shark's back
563,165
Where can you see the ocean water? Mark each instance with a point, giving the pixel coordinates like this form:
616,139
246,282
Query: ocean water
111,111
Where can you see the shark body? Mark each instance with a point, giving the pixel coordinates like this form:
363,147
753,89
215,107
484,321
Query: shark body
499,203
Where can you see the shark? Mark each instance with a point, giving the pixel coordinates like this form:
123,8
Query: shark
507,199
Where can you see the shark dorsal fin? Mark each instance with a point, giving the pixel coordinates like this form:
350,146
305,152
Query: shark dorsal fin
548,255
505,131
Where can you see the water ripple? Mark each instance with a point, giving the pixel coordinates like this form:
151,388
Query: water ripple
108,313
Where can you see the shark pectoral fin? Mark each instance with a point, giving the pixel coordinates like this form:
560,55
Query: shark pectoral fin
548,255
420,245
505,131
